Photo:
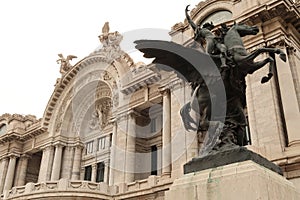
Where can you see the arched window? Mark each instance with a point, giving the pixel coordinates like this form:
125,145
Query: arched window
2,129
217,17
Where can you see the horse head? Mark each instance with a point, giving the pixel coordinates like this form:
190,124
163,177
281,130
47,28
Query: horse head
244,29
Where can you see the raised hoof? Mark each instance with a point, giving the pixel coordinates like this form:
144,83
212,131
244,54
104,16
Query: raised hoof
282,56
265,79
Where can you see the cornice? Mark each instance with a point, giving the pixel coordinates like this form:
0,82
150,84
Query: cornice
21,135
139,78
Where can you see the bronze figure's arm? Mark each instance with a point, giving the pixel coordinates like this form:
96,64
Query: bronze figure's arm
193,25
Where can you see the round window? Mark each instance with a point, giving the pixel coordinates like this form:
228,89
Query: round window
217,17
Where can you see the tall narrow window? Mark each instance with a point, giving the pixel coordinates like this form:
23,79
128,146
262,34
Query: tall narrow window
153,160
101,143
100,172
89,147
88,173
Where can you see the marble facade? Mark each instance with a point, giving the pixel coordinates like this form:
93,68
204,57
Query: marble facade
112,128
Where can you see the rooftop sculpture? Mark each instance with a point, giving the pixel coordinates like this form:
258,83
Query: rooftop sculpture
65,64
217,78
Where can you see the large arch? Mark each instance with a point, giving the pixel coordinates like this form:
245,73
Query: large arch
85,74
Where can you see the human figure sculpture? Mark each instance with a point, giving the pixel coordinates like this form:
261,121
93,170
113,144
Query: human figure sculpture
214,44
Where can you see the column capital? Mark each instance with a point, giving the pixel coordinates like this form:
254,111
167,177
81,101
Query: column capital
124,115
79,146
106,162
165,91
4,158
58,145
47,147
94,165
170,84
13,155
25,156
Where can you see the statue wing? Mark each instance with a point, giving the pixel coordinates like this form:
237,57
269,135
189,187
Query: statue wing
193,65
70,57
60,55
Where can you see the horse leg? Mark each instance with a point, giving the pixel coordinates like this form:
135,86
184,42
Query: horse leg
271,71
260,64
257,52
253,55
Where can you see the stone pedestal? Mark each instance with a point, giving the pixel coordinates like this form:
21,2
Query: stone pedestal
245,180
228,156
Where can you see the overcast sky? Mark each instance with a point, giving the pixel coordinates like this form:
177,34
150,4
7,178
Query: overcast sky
33,32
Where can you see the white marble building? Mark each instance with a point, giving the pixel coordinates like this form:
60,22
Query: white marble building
112,128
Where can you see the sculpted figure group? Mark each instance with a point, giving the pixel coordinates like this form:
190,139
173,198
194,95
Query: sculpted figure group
222,68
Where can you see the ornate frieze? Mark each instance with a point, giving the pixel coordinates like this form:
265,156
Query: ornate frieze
139,77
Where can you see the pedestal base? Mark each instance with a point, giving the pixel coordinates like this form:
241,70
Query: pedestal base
244,180
226,157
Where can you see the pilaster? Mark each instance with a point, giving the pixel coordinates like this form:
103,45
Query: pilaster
21,170
10,173
55,175
130,149
166,135
3,172
76,163
46,164
112,154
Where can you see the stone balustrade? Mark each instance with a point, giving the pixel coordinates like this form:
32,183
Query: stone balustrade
69,188
143,187
63,187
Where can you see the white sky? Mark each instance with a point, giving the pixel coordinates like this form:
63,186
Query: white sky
33,32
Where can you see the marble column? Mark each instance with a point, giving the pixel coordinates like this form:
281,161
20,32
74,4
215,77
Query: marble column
55,175
3,171
112,154
130,150
46,164
67,162
76,163
166,135
289,100
94,172
106,171
21,170
10,173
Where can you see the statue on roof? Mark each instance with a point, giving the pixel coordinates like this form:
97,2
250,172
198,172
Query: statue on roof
111,44
65,64
105,28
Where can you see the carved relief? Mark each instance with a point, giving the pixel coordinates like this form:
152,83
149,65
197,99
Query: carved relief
106,76
62,110
100,116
